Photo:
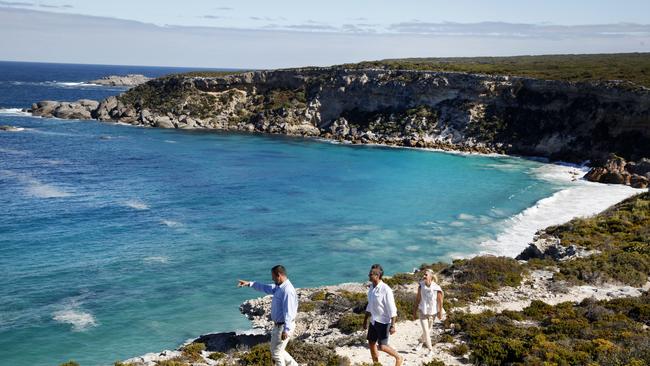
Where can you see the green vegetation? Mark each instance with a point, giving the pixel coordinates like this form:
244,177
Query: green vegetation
192,351
306,306
622,234
592,332
259,355
473,278
631,67
172,95
303,353
459,350
401,279
173,362
319,296
216,356
285,98
350,323
434,363
69,363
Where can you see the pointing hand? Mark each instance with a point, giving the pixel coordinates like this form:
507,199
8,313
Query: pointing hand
243,283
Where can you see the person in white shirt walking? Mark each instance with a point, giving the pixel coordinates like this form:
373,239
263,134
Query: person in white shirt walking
284,307
428,306
383,313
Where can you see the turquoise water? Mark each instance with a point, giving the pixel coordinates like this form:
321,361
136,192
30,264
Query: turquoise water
116,240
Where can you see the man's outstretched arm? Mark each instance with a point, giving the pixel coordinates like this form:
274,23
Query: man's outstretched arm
256,285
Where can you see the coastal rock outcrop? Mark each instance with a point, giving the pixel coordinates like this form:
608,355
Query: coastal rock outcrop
81,109
559,120
545,246
121,80
616,170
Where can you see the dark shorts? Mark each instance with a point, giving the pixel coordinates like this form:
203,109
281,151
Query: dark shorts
378,333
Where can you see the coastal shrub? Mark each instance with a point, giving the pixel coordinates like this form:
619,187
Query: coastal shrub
192,351
592,332
622,233
400,279
627,267
216,356
318,296
354,298
446,338
405,302
350,323
306,306
434,363
459,350
69,363
312,354
258,355
473,278
435,267
172,362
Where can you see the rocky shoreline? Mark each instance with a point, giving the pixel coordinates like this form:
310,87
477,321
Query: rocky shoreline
321,324
606,123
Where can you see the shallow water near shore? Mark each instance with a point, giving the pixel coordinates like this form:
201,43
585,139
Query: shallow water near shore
117,240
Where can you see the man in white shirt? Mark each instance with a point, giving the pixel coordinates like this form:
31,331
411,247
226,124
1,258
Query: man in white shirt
383,313
284,307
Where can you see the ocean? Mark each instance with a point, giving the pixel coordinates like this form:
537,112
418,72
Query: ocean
117,240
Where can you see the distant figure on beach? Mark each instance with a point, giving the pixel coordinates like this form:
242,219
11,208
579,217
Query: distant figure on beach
428,306
383,313
284,307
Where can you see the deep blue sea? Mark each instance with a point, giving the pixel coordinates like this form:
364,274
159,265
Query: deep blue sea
116,240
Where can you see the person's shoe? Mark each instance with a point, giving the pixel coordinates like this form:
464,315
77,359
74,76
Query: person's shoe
418,347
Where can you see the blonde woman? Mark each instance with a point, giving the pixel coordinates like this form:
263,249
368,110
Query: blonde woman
428,306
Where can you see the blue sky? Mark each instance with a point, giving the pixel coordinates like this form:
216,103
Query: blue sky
284,33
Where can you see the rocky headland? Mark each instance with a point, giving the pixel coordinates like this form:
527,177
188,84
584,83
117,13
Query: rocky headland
605,123
129,80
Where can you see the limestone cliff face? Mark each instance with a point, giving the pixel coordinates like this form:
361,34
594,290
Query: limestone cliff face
554,119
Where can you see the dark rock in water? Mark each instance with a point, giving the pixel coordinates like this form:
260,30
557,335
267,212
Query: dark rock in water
224,342
10,128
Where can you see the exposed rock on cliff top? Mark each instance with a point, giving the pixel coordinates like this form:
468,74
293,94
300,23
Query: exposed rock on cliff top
452,111
117,80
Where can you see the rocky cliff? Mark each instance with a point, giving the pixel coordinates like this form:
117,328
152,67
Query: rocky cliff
554,119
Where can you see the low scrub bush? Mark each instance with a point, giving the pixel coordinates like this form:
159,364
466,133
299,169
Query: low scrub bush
350,323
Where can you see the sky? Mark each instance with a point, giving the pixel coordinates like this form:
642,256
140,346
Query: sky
288,33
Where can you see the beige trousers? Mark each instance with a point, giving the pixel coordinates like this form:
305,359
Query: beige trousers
426,322
279,355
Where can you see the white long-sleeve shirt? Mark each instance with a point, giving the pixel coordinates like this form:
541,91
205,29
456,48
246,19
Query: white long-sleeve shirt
381,303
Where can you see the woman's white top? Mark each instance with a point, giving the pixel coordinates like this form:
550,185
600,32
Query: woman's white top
429,298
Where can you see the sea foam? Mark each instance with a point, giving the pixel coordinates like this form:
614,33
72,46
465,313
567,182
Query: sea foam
34,187
14,112
136,205
580,199
80,320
